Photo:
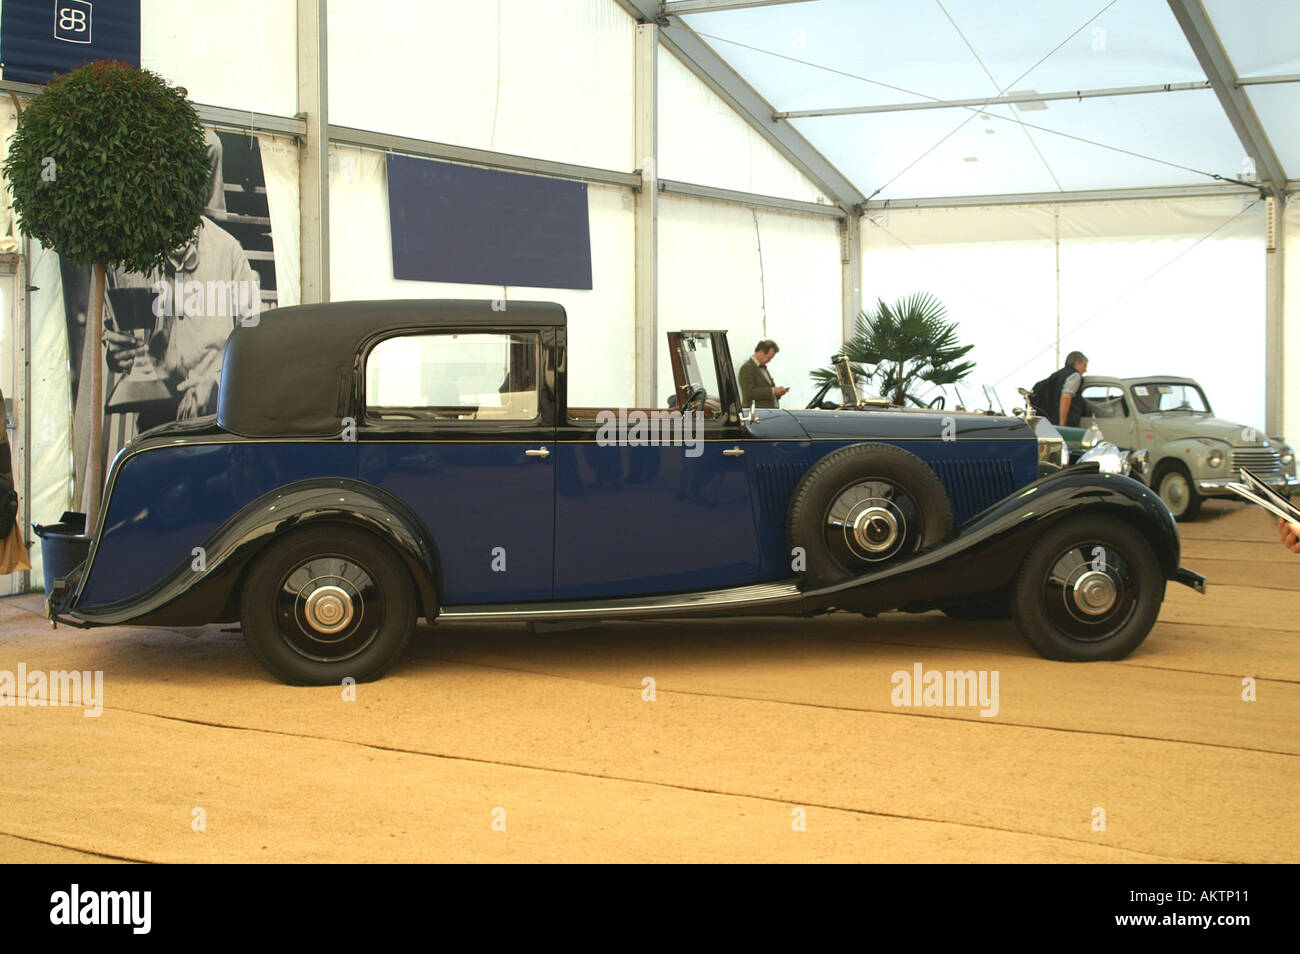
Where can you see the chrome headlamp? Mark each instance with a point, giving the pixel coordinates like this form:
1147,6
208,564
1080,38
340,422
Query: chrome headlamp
1110,459
1139,463
1051,446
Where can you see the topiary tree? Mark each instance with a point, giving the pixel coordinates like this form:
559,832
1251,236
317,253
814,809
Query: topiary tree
906,342
108,167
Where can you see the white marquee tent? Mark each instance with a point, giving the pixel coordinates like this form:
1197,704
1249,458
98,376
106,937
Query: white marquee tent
1108,175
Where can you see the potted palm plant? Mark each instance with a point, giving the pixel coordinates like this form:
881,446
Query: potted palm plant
897,346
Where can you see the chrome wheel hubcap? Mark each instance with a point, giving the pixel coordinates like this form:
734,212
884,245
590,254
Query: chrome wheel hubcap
328,609
1175,492
876,529
1094,593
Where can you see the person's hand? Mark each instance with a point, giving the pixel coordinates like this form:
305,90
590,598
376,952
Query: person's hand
780,391
198,395
121,350
1290,534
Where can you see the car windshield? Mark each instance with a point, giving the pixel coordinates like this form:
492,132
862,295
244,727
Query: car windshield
1158,397
698,364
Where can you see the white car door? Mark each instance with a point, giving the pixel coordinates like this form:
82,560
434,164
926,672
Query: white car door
1109,409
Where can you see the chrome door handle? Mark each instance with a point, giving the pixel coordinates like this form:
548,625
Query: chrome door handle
734,452
540,452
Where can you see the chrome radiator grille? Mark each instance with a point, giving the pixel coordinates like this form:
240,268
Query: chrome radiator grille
1263,461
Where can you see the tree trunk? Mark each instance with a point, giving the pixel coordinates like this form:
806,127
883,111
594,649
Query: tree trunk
95,340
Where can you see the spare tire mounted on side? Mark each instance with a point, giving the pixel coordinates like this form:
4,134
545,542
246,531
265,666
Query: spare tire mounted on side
862,507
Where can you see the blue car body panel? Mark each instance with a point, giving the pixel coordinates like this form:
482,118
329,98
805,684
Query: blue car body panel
490,508
171,499
637,520
589,521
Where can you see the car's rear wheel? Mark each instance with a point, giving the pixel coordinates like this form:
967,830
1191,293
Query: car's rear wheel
1089,589
863,507
1174,485
327,603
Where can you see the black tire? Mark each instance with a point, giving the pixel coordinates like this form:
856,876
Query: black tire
1174,486
358,584
896,503
1097,556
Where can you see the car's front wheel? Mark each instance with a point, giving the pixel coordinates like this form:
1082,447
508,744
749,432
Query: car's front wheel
1174,485
328,603
1089,589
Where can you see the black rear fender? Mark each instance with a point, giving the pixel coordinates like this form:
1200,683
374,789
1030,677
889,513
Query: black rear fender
191,598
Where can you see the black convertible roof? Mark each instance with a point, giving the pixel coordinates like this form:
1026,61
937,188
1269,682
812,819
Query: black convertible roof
294,373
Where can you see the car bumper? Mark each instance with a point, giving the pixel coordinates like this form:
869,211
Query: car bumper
1219,485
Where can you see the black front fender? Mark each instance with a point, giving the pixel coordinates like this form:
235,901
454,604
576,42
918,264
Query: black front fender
190,597
988,550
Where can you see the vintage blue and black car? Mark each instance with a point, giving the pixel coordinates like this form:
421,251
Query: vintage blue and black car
372,463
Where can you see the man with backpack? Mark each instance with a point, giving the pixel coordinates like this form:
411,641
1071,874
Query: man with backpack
1056,397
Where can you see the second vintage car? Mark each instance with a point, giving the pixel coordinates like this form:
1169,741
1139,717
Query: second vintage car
372,463
1191,453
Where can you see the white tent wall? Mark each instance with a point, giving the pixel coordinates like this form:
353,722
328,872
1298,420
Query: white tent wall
550,81
50,440
1168,286
51,410
600,358
280,171
702,140
240,54
712,275
1291,318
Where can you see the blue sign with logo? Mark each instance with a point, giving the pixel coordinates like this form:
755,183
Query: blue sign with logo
455,223
42,38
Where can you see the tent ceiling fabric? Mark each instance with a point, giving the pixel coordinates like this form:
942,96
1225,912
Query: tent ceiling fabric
832,54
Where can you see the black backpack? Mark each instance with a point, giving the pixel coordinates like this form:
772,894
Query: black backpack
1044,397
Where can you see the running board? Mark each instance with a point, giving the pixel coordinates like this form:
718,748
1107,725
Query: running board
675,604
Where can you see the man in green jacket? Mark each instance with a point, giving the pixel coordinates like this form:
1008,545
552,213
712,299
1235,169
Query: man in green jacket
756,384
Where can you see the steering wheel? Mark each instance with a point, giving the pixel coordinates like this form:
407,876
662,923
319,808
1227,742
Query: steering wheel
818,399
937,402
700,395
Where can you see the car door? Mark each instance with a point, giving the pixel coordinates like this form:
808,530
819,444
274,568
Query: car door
651,500
1109,409
459,425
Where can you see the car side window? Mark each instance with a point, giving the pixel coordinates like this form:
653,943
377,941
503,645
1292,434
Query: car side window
1105,401
454,377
